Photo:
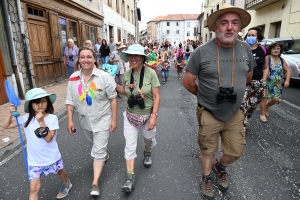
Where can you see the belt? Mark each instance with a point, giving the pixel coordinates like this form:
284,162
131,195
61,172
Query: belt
202,107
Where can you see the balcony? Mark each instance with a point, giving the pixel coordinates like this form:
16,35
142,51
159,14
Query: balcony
257,4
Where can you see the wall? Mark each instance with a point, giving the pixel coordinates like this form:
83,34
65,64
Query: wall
12,9
115,19
286,11
172,36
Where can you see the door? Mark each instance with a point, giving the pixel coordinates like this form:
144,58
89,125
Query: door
41,52
3,97
60,69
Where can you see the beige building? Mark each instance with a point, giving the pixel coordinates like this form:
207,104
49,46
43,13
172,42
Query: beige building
277,18
119,20
211,6
151,27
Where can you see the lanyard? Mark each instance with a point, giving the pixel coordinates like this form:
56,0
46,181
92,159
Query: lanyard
141,79
232,67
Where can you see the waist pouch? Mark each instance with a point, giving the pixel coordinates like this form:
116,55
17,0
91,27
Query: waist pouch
137,120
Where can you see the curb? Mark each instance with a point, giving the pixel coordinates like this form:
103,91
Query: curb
15,145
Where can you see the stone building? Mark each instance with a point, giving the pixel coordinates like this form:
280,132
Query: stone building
32,52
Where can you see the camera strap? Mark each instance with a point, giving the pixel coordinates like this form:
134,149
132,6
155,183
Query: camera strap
232,67
141,79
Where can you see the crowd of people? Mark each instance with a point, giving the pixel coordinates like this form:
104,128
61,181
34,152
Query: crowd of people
252,72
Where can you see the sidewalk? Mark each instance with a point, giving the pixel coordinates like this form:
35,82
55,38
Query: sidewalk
60,89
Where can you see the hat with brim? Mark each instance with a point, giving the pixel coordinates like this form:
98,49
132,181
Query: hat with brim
122,47
244,15
135,49
37,93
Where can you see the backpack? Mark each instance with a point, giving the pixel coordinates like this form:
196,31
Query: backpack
264,49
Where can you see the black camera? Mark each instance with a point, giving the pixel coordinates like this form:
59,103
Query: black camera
226,95
71,57
136,100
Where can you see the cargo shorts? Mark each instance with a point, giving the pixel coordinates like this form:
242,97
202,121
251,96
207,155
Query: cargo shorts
232,133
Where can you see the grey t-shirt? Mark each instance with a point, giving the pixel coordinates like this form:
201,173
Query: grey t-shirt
112,46
203,63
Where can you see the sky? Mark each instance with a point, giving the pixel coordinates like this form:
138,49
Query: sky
151,9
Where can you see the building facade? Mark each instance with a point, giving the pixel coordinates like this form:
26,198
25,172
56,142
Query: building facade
211,6
119,20
40,29
176,27
277,18
151,27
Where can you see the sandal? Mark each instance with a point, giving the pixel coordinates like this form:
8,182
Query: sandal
267,114
65,188
263,118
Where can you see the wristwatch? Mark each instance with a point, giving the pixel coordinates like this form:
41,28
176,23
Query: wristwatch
154,113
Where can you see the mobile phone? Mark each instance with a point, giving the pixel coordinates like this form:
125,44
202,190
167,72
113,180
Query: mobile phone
74,130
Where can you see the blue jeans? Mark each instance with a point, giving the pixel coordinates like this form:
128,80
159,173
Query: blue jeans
165,73
186,56
104,59
70,70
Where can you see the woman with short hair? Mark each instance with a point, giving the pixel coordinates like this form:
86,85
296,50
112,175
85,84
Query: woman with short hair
70,56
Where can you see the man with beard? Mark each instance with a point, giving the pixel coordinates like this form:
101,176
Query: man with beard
221,66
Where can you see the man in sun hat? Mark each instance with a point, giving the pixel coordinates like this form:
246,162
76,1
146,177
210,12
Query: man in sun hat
221,66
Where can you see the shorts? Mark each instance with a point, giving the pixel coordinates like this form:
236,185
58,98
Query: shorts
35,172
232,133
165,73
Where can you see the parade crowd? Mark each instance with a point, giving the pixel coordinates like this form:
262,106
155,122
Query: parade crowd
234,75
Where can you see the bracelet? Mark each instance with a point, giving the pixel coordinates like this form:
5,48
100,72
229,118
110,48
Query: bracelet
154,113
41,132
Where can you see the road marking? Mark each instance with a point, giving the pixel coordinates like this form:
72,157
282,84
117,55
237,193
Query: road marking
290,104
11,156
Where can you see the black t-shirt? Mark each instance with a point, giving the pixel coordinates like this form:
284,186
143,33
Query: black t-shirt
259,57
104,52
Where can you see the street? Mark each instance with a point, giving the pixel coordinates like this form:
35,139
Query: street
269,168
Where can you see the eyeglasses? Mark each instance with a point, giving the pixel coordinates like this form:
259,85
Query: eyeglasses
276,49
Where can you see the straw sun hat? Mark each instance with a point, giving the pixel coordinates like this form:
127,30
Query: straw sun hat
212,18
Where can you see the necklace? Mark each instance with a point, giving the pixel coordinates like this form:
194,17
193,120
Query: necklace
87,91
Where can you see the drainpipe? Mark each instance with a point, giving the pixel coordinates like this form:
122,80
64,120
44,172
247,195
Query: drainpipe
11,46
26,54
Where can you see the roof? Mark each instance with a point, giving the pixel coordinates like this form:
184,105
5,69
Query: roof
156,19
175,17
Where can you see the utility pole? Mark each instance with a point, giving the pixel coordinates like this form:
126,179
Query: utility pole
136,21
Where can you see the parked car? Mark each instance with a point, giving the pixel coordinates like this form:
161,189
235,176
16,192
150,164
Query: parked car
291,53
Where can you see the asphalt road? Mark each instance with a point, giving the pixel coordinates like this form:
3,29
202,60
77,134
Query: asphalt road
269,168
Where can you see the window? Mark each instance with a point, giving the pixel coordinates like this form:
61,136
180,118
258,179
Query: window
188,33
168,23
73,31
132,16
211,12
128,13
36,12
177,31
93,35
218,7
118,6
197,24
177,23
232,2
188,24
123,8
168,31
63,33
109,2
87,32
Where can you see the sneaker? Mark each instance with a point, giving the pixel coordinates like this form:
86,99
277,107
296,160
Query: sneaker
129,184
163,82
147,159
206,188
95,190
221,178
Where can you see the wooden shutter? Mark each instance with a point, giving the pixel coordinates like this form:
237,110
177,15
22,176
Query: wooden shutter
82,33
3,97
55,36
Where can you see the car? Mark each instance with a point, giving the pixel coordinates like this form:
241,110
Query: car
291,53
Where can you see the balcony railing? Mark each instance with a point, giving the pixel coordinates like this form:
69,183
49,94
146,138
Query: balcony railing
257,4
